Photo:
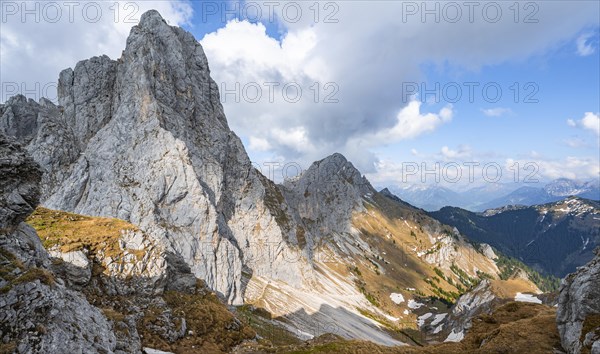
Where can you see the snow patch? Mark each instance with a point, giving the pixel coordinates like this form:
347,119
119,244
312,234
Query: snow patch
422,318
397,298
391,318
412,304
155,351
527,298
455,337
438,318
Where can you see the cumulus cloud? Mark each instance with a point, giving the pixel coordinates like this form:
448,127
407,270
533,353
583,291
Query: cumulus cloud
365,62
590,121
410,123
39,39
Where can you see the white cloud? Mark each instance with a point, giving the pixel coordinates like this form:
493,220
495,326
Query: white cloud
551,168
410,123
34,51
241,45
368,61
478,169
259,144
583,47
462,152
590,121
496,112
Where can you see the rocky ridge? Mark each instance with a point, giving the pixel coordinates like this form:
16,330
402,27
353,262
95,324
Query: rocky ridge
578,314
144,139
103,287
553,238
37,311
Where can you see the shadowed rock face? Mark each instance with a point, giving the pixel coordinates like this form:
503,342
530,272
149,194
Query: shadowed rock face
38,313
19,184
578,314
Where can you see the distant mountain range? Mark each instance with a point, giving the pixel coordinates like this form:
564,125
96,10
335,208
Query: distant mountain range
495,195
554,238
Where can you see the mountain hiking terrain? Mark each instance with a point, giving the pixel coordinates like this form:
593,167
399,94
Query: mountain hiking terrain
553,238
132,220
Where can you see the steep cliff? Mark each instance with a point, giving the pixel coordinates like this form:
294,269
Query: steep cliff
578,314
144,139
37,311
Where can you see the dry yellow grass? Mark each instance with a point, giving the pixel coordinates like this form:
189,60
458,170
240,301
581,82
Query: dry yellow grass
72,232
507,289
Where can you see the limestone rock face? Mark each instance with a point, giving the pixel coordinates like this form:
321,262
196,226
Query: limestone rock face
19,118
324,198
578,313
40,129
145,139
19,184
475,302
38,313
46,299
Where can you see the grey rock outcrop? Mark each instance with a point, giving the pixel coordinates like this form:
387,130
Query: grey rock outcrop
144,139
324,199
19,185
46,299
578,313
38,313
40,129
479,300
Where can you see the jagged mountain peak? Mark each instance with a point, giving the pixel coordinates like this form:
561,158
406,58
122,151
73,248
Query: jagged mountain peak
386,192
336,156
144,138
151,18
564,187
334,170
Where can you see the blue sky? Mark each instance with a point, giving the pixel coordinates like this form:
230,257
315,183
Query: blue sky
554,83
367,51
564,85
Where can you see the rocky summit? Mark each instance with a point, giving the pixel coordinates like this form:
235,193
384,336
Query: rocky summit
144,139
132,221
